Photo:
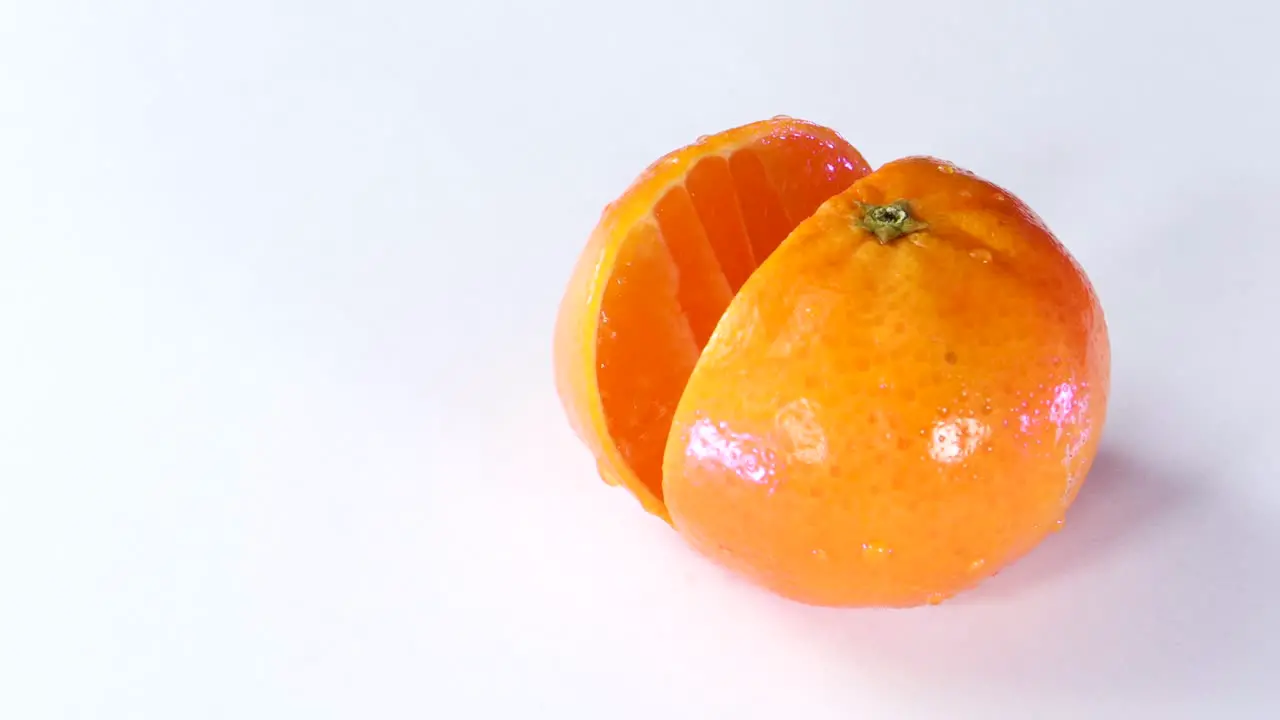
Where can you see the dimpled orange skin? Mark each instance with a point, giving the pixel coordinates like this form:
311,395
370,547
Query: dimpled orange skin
889,423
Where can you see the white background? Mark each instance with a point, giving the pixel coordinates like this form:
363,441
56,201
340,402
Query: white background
278,437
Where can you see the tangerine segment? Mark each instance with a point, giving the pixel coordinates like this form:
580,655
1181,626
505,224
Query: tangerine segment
660,268
888,423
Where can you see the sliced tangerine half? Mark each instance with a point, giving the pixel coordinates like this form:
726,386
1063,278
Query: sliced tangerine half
660,269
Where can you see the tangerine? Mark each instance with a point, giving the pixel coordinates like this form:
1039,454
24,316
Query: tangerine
883,409
661,267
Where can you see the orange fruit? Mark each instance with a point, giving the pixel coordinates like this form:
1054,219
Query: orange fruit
660,268
902,399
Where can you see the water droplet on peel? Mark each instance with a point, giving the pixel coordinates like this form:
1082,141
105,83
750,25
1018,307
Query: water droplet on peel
977,565
783,117
820,554
981,255
1058,524
998,197
936,599
703,138
948,169
876,551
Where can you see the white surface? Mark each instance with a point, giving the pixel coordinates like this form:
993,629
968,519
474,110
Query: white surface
277,431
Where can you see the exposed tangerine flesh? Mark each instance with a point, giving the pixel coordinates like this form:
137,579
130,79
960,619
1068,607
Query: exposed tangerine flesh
645,350
766,217
661,267
887,424
710,185
702,290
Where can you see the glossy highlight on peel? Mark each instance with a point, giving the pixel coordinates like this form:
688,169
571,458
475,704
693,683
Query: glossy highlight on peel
854,388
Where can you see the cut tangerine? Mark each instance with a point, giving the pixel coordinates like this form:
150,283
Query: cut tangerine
661,267
853,388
